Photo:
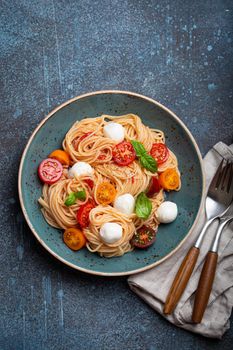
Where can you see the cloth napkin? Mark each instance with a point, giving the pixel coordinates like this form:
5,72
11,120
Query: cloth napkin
153,285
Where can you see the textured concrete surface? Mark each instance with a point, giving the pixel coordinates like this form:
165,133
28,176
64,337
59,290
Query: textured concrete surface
178,52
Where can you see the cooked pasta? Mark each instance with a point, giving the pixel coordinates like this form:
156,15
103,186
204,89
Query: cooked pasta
86,143
101,215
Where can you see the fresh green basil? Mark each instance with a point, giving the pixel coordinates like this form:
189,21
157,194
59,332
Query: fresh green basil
146,160
149,163
81,195
143,206
70,200
138,147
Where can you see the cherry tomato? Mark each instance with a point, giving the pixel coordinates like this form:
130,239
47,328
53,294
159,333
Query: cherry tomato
90,183
144,237
169,179
106,193
78,139
160,152
83,213
74,238
123,153
50,171
154,186
61,156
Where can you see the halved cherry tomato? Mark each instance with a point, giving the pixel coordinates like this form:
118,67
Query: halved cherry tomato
50,171
169,179
154,186
90,183
144,237
74,238
123,153
106,193
78,139
160,152
60,155
83,213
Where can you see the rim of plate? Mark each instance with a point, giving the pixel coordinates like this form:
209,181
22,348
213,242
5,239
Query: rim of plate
99,92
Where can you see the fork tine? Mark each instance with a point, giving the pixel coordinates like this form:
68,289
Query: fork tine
217,177
224,175
230,178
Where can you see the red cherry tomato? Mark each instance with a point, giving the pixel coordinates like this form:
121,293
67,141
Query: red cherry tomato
83,213
78,139
123,153
90,183
154,186
160,152
50,171
144,237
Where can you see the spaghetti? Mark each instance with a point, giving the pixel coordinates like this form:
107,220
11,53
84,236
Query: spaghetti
86,142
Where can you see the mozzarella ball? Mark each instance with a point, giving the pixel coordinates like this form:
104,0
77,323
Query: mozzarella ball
80,168
114,131
167,212
125,203
111,232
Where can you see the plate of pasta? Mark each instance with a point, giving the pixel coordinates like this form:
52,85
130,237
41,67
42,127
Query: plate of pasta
111,183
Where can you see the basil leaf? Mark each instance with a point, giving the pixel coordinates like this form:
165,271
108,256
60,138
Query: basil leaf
146,160
70,199
149,163
81,195
143,206
138,147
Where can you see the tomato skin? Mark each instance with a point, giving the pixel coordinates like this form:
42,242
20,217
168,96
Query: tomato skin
74,238
90,183
144,237
62,156
169,179
84,136
123,153
83,213
50,171
160,152
105,193
78,139
154,186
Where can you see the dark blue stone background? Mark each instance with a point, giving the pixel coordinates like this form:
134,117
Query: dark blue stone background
178,52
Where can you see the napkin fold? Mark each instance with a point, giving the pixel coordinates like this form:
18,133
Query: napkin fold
153,285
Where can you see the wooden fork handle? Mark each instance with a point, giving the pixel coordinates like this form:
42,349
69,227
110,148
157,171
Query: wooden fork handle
180,282
204,286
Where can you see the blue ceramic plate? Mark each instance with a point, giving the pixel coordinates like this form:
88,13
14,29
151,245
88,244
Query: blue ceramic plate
49,135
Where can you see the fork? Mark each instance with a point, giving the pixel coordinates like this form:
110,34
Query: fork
207,275
218,200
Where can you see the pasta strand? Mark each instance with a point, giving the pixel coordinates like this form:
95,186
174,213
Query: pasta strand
85,141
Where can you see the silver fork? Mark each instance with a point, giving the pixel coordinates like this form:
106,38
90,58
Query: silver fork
218,200
219,197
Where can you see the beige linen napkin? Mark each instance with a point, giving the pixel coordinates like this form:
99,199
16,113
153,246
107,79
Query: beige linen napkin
153,285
